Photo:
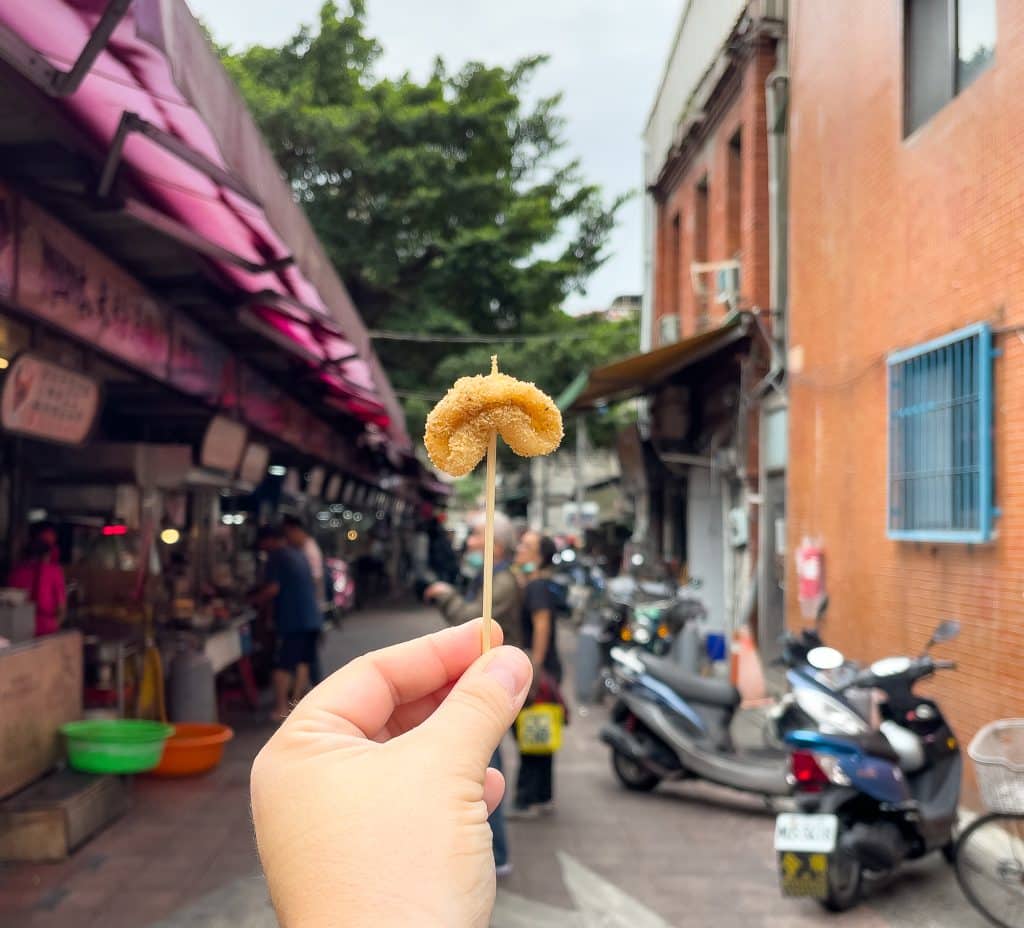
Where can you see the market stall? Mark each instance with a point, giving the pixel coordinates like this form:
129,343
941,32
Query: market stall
174,348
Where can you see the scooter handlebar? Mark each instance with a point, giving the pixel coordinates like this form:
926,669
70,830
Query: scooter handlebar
945,665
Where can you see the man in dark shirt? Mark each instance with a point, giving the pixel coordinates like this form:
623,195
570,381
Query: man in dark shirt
288,585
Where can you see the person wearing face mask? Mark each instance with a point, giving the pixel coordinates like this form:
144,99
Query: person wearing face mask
505,610
534,556
506,598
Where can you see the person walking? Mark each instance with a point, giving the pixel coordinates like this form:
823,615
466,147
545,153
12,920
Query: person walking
534,558
300,539
288,585
442,560
505,608
505,596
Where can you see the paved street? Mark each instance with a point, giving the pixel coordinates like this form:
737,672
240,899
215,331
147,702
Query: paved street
684,856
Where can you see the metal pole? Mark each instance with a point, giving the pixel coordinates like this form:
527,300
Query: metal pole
580,488
777,105
33,65
542,493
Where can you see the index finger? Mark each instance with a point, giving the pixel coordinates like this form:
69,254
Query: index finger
364,694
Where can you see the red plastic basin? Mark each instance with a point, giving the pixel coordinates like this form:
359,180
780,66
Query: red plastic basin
195,747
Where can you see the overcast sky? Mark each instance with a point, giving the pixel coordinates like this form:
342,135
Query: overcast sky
606,57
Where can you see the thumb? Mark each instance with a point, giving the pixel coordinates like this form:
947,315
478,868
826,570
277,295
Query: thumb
481,707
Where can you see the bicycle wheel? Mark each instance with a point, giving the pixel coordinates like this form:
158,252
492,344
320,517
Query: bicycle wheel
990,868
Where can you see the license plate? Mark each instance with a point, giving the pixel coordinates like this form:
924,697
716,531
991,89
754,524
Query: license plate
804,875
807,834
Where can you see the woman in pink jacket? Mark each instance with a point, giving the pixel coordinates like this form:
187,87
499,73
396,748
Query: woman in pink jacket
42,577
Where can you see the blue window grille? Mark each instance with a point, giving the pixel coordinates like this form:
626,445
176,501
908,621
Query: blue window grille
940,439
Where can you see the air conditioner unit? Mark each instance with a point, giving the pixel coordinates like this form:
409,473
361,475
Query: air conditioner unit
727,285
668,329
726,276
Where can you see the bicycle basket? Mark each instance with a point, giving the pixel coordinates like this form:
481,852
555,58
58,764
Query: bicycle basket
998,755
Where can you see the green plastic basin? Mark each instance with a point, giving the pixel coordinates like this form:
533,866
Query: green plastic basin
116,745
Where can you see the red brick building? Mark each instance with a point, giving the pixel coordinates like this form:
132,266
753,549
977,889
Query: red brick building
711,205
712,197
906,361
708,313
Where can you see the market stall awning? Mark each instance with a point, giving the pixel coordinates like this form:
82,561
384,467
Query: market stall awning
572,392
153,97
643,372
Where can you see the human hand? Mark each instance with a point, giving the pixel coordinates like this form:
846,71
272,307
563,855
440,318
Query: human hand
437,588
371,801
531,693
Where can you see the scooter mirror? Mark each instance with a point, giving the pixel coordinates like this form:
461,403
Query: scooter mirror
825,658
946,631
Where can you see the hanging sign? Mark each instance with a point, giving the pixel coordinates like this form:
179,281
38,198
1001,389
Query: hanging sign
315,484
254,464
43,400
223,445
76,288
291,487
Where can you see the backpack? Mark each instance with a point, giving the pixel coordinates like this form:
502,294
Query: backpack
559,598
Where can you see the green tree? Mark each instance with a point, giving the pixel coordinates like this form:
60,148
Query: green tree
446,205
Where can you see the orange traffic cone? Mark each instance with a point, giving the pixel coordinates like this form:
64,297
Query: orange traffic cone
746,671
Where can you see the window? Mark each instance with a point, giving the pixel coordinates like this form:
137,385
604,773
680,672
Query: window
940,439
700,243
675,266
735,193
776,438
946,45
668,330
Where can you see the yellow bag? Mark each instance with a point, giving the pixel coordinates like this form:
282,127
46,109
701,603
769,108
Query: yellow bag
539,728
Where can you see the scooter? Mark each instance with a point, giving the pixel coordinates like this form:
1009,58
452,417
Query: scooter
654,612
871,801
341,587
586,583
647,614
821,695
669,724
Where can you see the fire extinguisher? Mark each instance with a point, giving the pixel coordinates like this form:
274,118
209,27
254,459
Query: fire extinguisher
810,575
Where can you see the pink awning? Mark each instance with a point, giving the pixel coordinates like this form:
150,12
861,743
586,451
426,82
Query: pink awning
132,75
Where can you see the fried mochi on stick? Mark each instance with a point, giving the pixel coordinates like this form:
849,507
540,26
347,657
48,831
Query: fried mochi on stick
465,425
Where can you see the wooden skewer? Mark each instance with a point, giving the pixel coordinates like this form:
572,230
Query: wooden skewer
492,454
492,461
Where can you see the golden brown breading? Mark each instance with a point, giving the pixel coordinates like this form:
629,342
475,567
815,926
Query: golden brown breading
459,426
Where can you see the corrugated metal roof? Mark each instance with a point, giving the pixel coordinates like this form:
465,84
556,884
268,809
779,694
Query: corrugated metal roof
640,373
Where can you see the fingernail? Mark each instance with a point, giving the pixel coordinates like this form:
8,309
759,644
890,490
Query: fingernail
511,669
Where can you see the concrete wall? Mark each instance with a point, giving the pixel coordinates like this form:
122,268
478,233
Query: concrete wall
895,241
703,27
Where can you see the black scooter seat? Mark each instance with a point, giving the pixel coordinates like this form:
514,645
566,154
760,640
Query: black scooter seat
877,745
690,686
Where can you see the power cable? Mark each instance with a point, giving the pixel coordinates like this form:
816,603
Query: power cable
392,336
